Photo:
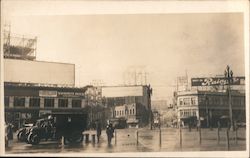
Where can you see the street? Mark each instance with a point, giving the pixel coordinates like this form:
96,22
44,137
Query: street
125,140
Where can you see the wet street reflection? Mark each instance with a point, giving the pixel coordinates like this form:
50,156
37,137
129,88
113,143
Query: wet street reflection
146,141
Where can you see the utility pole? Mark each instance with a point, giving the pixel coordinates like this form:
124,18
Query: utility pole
229,76
207,117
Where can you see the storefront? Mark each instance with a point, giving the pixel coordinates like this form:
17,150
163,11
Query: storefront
26,103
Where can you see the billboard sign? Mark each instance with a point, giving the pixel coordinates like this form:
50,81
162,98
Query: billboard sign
216,81
27,71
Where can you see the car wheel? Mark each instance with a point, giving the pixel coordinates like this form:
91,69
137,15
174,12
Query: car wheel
33,139
21,136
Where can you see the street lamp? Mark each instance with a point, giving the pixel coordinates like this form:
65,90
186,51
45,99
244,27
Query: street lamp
229,76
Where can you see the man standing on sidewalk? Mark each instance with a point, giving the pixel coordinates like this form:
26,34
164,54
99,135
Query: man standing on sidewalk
110,131
98,130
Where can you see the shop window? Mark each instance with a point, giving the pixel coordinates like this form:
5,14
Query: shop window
34,102
76,103
6,101
19,101
62,103
48,102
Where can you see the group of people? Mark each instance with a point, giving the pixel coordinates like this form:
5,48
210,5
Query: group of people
109,131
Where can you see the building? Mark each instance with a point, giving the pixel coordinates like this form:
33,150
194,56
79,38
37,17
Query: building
27,102
131,103
210,106
134,114
34,88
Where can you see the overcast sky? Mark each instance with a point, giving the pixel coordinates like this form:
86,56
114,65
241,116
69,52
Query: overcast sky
166,45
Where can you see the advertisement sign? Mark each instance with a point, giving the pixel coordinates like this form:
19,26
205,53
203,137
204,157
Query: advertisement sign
70,94
215,81
44,93
27,71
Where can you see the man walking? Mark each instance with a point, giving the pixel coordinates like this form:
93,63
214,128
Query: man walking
110,131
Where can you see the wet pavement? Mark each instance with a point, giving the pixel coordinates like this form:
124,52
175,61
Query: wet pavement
125,140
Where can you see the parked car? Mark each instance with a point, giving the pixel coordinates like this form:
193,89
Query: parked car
21,132
43,129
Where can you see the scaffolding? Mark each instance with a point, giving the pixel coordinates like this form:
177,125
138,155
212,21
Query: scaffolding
18,46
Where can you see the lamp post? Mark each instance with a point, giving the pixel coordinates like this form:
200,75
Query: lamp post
229,76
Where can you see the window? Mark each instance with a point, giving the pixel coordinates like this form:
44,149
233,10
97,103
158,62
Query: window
181,101
63,103
130,112
76,103
122,112
194,113
19,101
133,111
193,101
34,102
6,101
48,102
186,101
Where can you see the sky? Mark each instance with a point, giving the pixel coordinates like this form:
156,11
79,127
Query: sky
104,46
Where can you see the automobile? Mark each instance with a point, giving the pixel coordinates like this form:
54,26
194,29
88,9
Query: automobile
21,132
43,129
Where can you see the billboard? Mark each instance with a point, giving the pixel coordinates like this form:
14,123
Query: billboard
28,71
122,91
215,81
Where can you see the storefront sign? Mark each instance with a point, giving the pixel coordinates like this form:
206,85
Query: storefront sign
217,81
70,94
44,93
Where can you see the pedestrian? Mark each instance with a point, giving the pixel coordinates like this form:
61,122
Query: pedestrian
218,124
189,125
9,134
110,132
98,130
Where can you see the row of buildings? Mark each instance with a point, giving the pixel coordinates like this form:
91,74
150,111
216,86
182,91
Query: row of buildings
211,100
33,89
